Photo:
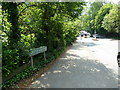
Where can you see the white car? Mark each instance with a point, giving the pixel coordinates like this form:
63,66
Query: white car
84,34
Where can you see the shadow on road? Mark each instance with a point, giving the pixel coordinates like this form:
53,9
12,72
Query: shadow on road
77,74
80,44
74,71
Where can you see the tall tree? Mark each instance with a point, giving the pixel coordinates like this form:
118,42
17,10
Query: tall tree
88,17
100,16
111,20
95,7
12,10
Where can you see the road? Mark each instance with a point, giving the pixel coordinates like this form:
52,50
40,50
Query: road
87,64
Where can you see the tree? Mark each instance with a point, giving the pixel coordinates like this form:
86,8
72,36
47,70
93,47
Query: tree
111,20
100,16
89,17
95,7
36,24
14,34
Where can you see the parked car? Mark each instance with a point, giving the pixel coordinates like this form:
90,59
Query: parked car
84,34
118,59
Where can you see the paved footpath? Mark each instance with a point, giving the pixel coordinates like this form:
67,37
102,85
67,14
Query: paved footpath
82,66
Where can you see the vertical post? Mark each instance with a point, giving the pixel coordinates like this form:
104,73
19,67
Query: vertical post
32,62
95,33
44,56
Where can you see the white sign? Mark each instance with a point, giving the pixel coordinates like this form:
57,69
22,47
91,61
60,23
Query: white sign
36,51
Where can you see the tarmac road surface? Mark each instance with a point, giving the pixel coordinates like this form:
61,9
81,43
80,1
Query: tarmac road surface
87,64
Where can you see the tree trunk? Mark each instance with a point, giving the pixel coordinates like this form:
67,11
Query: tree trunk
12,17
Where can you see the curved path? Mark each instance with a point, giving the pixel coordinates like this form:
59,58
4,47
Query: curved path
87,64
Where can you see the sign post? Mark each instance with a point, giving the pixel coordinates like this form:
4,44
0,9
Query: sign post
36,51
32,62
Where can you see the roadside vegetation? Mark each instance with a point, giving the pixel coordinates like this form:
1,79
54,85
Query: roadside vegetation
102,18
52,24
34,24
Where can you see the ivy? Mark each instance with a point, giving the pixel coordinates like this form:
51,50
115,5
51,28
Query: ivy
34,24
28,72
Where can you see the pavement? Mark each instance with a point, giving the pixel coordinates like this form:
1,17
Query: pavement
87,64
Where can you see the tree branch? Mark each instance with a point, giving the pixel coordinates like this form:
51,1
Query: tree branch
26,8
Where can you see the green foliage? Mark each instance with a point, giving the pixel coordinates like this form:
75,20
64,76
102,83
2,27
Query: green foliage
31,71
8,62
102,18
104,10
33,24
111,20
88,18
12,18
95,7
71,31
